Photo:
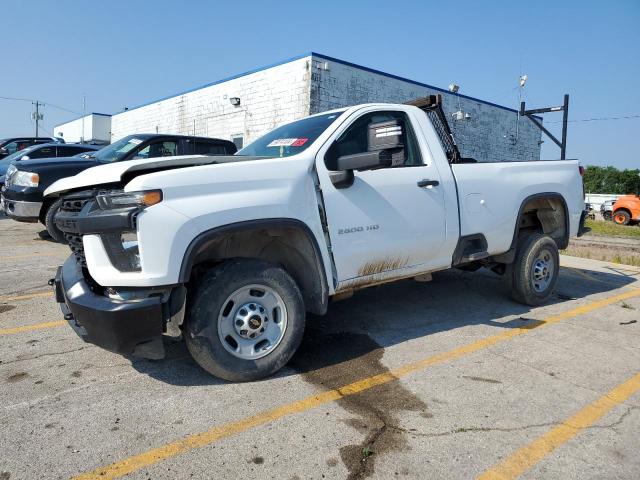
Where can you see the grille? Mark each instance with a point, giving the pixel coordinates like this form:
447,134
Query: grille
75,244
73,204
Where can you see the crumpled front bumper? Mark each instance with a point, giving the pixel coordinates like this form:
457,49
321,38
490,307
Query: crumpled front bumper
132,327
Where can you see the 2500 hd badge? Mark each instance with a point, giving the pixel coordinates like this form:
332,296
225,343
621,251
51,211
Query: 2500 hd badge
342,231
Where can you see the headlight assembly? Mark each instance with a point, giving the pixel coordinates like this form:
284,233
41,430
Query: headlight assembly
112,200
25,179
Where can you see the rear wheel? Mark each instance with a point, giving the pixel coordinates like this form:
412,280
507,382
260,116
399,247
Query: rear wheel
621,217
534,272
50,224
246,320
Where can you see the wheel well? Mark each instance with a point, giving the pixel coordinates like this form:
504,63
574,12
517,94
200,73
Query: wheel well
545,214
284,244
46,203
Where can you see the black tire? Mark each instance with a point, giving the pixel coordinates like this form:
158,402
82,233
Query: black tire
534,249
49,222
210,298
621,217
607,215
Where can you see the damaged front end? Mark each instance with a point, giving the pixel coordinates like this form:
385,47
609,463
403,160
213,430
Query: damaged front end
126,320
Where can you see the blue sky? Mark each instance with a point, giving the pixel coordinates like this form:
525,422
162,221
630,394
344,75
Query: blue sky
124,53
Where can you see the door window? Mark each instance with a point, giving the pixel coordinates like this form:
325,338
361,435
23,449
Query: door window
44,152
16,146
204,148
356,139
158,149
69,151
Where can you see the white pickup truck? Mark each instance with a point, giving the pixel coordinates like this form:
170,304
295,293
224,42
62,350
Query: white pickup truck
231,252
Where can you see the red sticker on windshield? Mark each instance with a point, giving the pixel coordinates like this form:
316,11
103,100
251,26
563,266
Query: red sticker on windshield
299,142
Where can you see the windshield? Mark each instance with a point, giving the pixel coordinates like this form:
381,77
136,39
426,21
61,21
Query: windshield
290,139
19,154
118,150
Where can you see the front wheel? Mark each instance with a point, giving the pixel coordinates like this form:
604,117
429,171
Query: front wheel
621,217
246,320
50,224
534,272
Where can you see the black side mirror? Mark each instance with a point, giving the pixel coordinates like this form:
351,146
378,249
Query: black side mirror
385,148
387,136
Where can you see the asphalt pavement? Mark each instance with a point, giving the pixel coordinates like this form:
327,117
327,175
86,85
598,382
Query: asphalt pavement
446,379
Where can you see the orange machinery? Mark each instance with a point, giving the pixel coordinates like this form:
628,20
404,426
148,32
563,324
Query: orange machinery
626,210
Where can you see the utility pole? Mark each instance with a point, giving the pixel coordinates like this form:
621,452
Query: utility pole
37,116
84,104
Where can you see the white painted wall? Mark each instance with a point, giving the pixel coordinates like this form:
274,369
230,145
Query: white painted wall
268,98
96,127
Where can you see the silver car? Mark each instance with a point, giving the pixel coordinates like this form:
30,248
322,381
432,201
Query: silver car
606,209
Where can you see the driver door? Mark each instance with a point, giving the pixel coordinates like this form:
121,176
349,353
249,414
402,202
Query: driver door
385,224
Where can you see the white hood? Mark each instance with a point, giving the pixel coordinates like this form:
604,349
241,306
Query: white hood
107,173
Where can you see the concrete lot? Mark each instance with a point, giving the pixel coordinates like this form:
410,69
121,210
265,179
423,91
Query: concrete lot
448,379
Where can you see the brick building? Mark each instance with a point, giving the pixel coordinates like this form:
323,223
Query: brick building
245,106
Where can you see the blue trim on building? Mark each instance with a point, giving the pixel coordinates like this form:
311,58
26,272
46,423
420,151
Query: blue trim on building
325,57
226,79
408,80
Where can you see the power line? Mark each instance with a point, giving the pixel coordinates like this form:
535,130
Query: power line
45,103
599,119
18,99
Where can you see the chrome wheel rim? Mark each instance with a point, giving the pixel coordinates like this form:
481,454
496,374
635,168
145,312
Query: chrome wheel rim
252,322
542,271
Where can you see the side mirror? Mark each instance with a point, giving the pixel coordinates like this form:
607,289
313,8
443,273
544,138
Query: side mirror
24,157
365,161
387,136
385,148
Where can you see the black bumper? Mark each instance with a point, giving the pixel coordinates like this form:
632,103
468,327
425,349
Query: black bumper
581,228
128,327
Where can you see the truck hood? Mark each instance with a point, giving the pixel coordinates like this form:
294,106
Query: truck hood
36,164
124,171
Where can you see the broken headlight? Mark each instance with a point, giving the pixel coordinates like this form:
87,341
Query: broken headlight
122,248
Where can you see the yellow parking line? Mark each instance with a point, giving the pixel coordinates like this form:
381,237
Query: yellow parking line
17,298
29,328
525,458
190,442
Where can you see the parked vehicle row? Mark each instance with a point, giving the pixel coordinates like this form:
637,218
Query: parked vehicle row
232,251
9,146
28,174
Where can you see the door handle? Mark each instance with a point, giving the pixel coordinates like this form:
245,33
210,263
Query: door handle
428,183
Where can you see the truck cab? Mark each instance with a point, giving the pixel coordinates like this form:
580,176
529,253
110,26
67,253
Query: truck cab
230,252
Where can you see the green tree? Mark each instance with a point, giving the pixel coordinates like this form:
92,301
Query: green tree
611,180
